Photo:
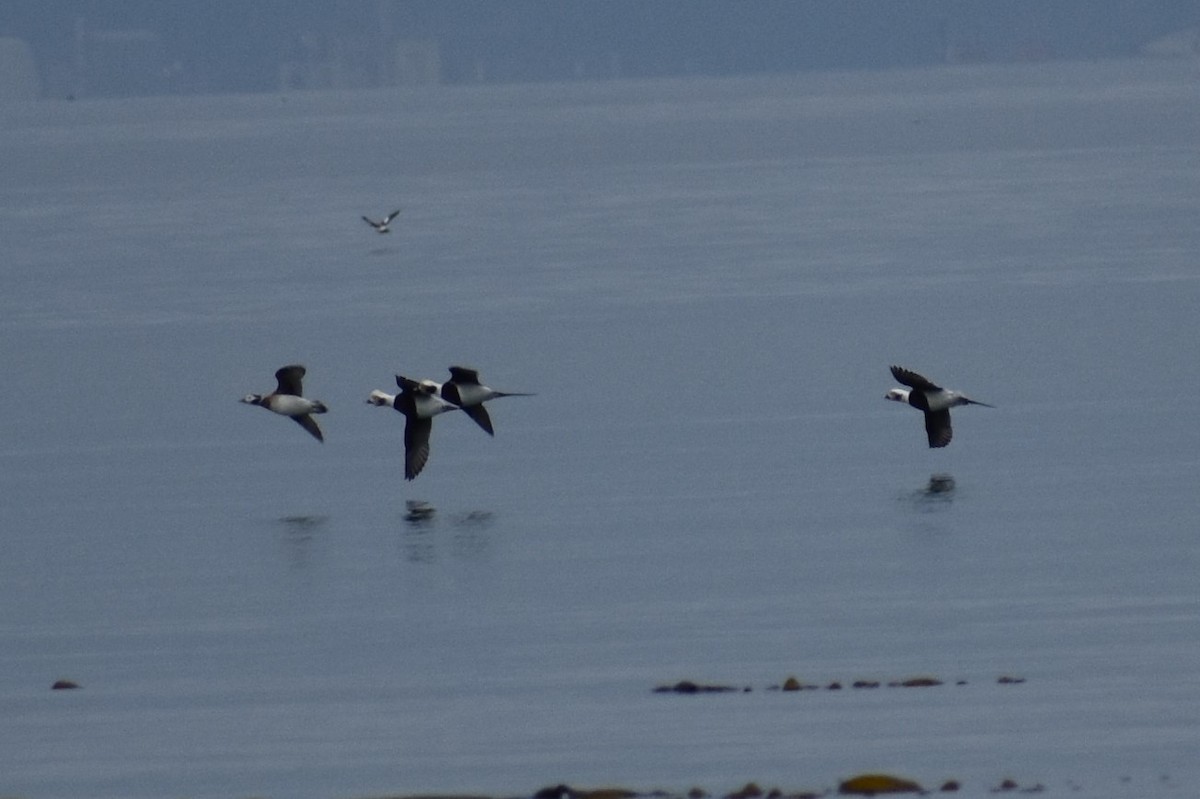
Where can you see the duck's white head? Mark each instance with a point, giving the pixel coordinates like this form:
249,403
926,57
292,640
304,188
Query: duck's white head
378,397
897,395
252,399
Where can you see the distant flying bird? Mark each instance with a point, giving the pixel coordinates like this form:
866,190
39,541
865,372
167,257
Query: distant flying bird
464,390
934,400
288,400
382,227
419,403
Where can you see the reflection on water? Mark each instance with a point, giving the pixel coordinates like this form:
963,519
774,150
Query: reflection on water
936,494
303,521
469,539
475,518
940,484
418,511
418,543
299,532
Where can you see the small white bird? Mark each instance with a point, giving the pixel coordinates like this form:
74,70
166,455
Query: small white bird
382,227
287,400
419,403
934,400
464,390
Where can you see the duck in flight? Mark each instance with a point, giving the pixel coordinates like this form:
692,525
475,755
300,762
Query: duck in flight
933,400
419,402
382,227
288,400
464,390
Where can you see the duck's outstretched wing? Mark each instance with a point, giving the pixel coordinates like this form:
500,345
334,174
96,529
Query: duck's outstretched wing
388,219
913,380
479,415
310,424
289,379
407,385
937,427
416,445
464,376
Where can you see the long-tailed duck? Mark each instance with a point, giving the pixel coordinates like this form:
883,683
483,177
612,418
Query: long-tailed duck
934,400
464,390
287,400
419,402
382,227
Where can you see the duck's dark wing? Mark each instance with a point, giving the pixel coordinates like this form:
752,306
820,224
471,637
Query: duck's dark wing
408,386
416,445
387,219
480,415
937,427
913,380
372,222
289,378
310,424
465,376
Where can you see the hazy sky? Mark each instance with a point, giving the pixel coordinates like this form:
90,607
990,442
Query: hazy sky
235,45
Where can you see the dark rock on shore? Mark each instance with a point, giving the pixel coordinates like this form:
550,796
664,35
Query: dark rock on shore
874,784
748,791
689,687
567,792
1011,785
916,682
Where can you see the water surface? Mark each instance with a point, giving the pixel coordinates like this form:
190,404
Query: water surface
705,282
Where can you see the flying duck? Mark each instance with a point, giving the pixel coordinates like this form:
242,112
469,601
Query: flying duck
419,402
934,400
287,400
464,390
382,227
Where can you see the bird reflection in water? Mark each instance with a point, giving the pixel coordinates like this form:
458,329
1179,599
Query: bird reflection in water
418,511
469,539
940,484
299,536
937,493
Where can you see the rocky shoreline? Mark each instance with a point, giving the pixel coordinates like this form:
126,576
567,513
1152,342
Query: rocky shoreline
793,683
859,785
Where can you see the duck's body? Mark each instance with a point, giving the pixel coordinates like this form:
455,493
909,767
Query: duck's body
464,390
933,400
382,227
419,402
287,400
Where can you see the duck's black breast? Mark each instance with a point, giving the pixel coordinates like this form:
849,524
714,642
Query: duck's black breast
405,403
450,393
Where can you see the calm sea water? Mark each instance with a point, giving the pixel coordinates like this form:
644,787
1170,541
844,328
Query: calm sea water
704,282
